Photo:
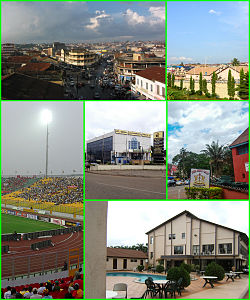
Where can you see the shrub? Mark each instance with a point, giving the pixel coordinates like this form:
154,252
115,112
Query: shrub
149,267
193,267
203,193
159,268
176,273
213,269
186,267
140,268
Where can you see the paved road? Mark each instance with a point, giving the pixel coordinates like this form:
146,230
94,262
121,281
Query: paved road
123,187
176,192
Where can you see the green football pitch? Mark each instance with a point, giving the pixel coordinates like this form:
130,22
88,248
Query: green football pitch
22,225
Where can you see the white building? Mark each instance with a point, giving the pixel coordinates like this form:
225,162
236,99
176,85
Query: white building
187,238
150,84
120,146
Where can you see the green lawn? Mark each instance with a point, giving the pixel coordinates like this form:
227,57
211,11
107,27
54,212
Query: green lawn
22,225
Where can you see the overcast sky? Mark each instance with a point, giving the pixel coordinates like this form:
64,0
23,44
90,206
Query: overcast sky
79,21
192,125
141,116
24,137
128,221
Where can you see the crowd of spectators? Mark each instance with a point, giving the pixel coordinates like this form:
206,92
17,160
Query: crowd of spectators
59,190
11,184
64,288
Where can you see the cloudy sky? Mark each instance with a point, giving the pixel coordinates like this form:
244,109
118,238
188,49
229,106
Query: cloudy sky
24,137
192,125
103,117
79,21
128,221
215,31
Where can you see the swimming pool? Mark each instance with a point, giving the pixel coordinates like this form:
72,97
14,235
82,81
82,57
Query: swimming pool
140,276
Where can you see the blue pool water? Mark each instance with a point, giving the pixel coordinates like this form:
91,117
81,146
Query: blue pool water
141,277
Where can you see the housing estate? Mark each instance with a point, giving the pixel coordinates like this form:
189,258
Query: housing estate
187,238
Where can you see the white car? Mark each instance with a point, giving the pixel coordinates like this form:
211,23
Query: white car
179,182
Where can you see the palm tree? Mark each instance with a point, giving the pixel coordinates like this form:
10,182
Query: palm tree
215,152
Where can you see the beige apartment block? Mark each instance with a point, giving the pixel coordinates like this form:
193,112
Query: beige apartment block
125,259
187,238
95,249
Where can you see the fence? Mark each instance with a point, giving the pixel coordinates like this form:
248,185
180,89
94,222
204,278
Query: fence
19,266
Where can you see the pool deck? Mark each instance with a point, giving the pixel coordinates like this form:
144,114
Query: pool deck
222,290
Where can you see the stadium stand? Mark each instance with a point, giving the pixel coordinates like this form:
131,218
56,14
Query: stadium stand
12,184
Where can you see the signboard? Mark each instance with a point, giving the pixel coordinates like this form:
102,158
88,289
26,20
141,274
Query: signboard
57,221
158,146
133,133
247,166
199,178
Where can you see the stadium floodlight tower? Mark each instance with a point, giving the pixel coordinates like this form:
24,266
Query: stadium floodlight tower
47,118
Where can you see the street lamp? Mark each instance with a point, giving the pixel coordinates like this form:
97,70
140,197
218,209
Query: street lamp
46,119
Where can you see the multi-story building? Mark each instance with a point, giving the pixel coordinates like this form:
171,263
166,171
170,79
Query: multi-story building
241,157
150,84
128,64
125,259
8,49
79,57
187,238
120,146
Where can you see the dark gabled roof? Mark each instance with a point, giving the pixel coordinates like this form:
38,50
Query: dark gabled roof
243,138
126,253
187,213
153,73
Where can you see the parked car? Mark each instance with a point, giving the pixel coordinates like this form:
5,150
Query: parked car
171,182
186,182
97,95
179,182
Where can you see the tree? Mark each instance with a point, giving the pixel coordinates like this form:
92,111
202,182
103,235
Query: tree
172,81
204,86
232,87
182,64
214,78
235,62
181,84
215,152
191,83
169,79
200,82
243,87
229,83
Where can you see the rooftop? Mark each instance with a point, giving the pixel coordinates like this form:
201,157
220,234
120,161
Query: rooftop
203,70
125,253
243,138
153,73
35,67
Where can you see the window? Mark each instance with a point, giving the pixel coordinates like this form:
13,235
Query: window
137,81
225,248
133,144
151,255
133,260
242,149
141,83
107,259
196,249
146,85
158,89
163,91
183,235
208,249
151,240
171,236
205,73
151,88
178,249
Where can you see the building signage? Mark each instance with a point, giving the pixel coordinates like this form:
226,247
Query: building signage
158,146
247,166
199,178
133,133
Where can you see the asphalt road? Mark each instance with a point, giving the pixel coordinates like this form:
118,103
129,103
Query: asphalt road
123,187
177,192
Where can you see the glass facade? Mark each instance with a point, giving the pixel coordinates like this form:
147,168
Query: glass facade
134,144
178,249
225,248
208,249
100,150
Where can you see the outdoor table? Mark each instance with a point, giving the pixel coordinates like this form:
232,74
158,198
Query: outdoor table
230,276
209,279
110,294
161,283
237,274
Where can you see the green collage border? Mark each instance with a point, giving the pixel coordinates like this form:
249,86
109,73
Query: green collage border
84,110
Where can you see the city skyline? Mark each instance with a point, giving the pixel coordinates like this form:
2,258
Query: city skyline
211,32
40,22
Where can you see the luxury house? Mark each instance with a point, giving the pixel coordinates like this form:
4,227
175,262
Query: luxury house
187,238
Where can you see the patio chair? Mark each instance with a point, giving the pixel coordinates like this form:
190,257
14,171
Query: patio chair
178,287
170,288
120,287
144,296
152,288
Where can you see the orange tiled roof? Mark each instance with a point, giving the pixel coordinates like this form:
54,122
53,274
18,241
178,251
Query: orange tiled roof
153,73
34,67
126,253
203,70
19,59
238,68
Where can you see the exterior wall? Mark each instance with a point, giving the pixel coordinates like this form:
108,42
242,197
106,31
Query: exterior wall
240,173
197,76
148,88
159,241
95,249
223,75
231,194
130,265
220,88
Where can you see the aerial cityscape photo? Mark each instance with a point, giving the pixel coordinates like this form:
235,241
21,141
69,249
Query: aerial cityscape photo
83,50
208,55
